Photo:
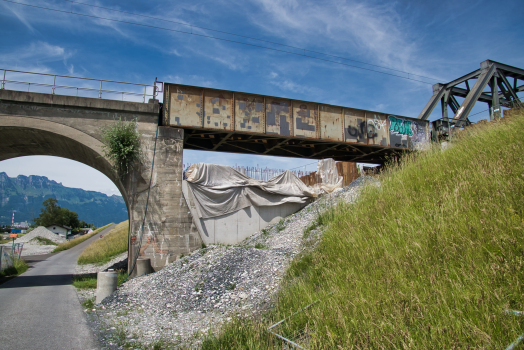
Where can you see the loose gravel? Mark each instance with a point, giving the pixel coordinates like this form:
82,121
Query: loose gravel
33,247
198,293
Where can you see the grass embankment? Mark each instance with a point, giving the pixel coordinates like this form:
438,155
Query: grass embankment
74,242
89,281
431,259
104,249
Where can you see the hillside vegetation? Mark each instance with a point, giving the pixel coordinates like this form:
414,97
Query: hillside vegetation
430,259
104,249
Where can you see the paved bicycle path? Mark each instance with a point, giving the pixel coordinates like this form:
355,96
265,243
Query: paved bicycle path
40,309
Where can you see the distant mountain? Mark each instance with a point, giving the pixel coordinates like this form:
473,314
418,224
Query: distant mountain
25,195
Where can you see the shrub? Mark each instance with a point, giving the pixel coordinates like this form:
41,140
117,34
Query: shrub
121,145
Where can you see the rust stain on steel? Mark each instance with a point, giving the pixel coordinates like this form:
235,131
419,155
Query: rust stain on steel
184,106
278,116
331,123
305,115
196,107
249,113
218,110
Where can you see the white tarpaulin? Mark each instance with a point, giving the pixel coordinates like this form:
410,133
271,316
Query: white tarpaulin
219,189
331,182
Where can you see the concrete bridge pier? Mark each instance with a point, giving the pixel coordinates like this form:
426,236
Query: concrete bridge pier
163,221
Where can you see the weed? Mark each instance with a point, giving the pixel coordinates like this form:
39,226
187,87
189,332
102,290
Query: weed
265,232
89,304
281,225
19,267
122,313
203,245
260,246
231,286
121,145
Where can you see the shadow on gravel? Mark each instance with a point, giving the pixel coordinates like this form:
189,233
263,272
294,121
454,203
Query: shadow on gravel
39,281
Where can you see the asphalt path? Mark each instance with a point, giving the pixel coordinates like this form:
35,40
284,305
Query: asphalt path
40,308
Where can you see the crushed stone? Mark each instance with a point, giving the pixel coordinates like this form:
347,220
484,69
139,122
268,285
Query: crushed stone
198,293
33,247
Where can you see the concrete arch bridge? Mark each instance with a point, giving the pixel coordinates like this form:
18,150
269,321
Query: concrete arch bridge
36,123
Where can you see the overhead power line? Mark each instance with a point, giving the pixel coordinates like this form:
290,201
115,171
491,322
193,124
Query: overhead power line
244,36
221,39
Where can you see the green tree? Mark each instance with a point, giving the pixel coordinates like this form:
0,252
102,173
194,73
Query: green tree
53,214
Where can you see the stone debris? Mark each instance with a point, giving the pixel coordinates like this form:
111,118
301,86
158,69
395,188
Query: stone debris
32,246
198,293
41,231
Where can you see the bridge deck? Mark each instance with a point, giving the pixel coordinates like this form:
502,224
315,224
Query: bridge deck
228,121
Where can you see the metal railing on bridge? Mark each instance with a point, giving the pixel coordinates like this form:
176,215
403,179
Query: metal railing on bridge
79,86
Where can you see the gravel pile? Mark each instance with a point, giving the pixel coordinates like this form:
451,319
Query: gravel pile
33,247
41,231
200,292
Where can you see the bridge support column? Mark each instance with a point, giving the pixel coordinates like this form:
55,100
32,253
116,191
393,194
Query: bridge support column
166,228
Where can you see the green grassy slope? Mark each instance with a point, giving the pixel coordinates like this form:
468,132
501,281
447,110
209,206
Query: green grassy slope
431,259
103,250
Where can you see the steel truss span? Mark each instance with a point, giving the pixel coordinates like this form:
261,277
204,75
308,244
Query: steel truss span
496,84
229,121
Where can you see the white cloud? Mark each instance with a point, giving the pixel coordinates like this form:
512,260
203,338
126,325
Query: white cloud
360,30
34,53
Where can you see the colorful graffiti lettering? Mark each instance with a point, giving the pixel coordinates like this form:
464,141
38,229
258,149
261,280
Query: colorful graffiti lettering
400,126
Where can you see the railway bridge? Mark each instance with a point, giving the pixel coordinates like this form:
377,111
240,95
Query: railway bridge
56,121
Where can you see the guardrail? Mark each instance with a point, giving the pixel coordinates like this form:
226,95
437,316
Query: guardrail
95,88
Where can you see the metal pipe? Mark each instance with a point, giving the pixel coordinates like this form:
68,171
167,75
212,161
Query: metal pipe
100,92
3,81
54,83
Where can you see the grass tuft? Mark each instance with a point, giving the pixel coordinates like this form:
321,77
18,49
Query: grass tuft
19,267
89,281
74,242
430,259
104,249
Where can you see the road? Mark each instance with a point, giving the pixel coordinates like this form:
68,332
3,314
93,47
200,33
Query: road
40,309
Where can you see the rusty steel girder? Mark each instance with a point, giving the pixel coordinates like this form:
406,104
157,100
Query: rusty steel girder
229,121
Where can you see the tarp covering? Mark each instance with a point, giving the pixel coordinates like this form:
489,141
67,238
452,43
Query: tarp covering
331,181
219,189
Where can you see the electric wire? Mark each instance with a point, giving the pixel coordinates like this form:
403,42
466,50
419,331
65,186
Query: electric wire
218,38
245,36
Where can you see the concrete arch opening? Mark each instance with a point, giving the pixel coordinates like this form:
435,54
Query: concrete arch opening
30,136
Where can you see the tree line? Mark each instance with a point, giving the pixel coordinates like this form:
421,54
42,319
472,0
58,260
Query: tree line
53,214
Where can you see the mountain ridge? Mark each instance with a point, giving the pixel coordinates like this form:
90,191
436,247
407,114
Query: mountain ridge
25,194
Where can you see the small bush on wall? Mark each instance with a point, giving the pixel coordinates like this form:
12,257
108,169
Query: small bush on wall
121,145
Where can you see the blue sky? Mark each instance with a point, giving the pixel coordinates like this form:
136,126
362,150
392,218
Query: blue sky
439,41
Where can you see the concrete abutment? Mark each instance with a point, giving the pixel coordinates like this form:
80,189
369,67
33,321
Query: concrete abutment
71,127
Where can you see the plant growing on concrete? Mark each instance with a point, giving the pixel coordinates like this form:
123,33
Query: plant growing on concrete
121,145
